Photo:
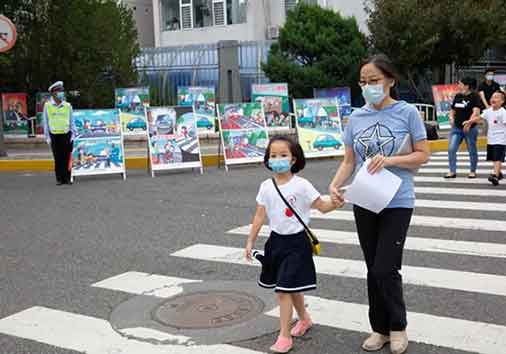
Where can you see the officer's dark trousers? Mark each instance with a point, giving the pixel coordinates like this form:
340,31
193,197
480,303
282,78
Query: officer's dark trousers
62,149
382,238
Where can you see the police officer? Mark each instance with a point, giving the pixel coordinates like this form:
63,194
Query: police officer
58,130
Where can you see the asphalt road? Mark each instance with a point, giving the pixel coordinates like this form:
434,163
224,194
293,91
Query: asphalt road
55,241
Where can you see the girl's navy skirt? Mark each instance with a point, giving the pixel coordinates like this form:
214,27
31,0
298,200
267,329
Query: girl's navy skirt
287,263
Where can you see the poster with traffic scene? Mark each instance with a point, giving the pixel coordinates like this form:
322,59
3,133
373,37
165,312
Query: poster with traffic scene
40,100
203,101
132,103
274,98
15,113
94,123
343,95
173,139
319,127
98,156
443,99
244,132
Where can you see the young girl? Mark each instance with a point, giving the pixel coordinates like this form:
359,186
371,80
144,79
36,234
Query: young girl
496,136
287,264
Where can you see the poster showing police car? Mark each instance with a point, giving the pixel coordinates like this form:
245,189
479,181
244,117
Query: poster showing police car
173,139
203,101
319,127
95,123
243,132
132,103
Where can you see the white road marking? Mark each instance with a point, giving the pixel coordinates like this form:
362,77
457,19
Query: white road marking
460,179
92,335
430,221
439,278
481,249
491,192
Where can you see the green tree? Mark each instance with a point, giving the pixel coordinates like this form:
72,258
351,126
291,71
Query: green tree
89,44
317,48
428,34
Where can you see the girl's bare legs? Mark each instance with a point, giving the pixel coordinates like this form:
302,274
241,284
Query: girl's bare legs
298,303
497,168
285,314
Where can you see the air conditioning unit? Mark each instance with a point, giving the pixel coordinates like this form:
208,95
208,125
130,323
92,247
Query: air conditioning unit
273,32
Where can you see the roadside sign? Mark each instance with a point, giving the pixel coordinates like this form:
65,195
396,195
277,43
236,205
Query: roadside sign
7,34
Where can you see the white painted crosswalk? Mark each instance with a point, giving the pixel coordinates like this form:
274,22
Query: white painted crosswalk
429,170
91,335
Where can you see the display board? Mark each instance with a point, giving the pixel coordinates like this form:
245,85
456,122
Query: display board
131,103
98,144
276,105
443,99
40,100
243,132
203,101
15,113
173,139
343,95
319,127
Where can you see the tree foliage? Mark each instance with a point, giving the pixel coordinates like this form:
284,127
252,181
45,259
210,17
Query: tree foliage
317,48
89,44
427,34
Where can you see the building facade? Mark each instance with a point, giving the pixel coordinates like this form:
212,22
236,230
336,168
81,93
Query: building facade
185,22
143,15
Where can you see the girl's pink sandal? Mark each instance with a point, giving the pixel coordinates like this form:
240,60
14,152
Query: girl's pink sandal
282,345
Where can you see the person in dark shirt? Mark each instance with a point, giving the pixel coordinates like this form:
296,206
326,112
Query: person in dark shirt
466,105
488,87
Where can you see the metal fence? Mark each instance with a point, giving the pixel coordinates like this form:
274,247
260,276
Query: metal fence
164,69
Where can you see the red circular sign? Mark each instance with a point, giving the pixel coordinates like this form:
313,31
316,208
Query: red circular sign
7,34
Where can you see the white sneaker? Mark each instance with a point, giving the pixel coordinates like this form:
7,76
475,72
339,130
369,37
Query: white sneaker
375,342
398,342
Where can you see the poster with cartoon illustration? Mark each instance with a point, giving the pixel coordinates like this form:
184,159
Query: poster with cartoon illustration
95,123
15,113
97,156
319,127
443,99
203,101
132,103
276,104
98,146
40,100
244,132
343,95
173,139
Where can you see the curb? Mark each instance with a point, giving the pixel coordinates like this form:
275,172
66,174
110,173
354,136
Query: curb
139,163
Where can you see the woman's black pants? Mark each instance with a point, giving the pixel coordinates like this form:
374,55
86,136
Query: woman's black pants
382,238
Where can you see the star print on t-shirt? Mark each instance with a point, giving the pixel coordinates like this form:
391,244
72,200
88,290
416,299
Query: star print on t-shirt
377,139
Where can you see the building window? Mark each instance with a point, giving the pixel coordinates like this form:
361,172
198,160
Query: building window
188,14
290,4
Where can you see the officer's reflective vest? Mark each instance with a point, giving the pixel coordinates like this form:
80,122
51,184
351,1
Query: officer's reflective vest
58,118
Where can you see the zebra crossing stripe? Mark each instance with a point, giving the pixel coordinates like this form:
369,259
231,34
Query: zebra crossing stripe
445,170
458,180
481,249
492,192
476,337
459,164
144,284
439,278
459,153
449,204
95,336
429,221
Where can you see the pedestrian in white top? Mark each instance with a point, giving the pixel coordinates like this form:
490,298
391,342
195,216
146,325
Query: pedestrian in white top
495,116
287,263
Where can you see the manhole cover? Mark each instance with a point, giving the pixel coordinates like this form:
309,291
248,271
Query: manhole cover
211,309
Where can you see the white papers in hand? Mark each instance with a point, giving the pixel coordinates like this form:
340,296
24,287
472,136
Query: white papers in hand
372,192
